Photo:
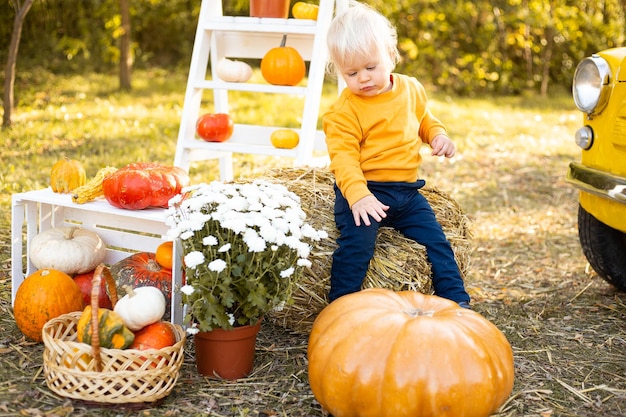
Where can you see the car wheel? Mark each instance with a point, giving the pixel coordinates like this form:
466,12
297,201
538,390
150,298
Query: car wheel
604,248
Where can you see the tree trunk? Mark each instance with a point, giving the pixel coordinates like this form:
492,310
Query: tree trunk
126,60
9,80
547,54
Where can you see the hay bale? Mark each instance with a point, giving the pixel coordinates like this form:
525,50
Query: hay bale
399,263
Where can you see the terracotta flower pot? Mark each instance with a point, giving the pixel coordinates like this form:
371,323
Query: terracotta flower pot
269,8
226,354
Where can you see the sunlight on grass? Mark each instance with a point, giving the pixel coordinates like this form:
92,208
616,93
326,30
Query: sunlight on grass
516,125
87,118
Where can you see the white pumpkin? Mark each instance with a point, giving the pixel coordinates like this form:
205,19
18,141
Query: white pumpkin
70,249
140,307
233,71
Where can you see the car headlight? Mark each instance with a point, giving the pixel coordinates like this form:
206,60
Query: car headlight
591,84
584,137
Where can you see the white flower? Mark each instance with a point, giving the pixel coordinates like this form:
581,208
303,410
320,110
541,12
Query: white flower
224,248
268,233
193,329
187,289
304,262
231,319
217,265
186,235
193,259
255,242
175,200
236,225
209,240
287,272
303,250
280,225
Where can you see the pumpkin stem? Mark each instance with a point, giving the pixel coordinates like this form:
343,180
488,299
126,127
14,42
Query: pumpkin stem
129,290
283,42
68,232
153,266
417,312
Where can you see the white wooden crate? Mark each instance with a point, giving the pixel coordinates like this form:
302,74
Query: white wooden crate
123,231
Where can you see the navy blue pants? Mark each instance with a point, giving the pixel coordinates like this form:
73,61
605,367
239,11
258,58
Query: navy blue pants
409,213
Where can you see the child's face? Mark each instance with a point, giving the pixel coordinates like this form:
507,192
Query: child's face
367,76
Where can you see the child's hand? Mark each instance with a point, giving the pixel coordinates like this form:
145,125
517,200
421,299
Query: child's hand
368,206
442,146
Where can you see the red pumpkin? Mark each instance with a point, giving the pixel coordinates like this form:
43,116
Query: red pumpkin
143,184
154,336
84,282
142,270
216,127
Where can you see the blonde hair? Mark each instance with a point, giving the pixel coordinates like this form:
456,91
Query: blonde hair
361,31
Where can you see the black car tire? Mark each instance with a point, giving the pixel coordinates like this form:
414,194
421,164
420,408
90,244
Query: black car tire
604,248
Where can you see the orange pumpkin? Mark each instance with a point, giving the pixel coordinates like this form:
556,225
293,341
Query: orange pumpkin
66,175
402,354
44,295
164,254
283,65
154,336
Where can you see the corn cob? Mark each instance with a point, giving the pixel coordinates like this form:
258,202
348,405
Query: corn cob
93,188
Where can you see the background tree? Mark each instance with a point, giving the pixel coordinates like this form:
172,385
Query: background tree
463,47
126,59
21,10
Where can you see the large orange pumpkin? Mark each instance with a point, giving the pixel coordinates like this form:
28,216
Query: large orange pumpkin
402,354
44,295
283,65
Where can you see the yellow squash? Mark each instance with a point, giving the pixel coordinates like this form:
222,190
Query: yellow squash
303,10
93,188
285,138
66,175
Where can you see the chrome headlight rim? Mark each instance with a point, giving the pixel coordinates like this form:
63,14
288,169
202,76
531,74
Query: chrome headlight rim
591,86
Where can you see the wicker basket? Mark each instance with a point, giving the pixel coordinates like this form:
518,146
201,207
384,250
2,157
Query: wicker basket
89,373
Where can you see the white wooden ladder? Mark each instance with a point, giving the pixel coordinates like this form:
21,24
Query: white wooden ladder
243,37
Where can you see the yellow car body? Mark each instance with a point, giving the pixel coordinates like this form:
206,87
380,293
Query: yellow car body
603,165
599,91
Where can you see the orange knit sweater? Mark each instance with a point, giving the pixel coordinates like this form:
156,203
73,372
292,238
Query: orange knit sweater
378,138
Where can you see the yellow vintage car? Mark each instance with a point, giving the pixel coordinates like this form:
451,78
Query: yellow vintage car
599,91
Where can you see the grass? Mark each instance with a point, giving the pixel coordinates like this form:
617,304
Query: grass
528,276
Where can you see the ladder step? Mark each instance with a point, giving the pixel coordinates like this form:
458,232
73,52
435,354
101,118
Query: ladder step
260,24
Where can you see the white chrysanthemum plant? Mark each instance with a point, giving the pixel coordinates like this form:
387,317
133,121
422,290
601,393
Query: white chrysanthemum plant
245,245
